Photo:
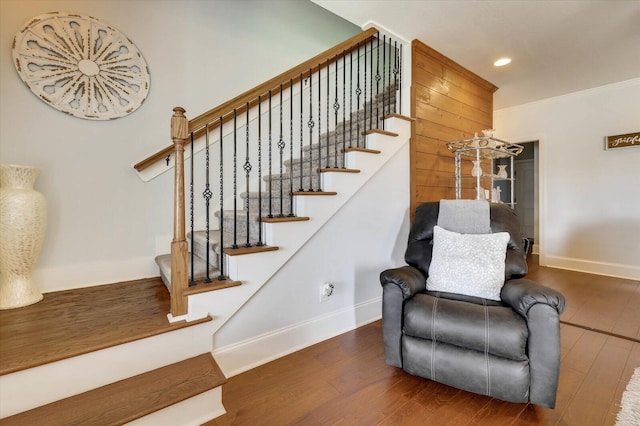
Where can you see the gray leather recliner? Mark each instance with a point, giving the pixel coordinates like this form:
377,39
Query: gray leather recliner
509,350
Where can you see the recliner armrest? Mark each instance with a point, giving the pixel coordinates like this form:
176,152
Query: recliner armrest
522,294
410,280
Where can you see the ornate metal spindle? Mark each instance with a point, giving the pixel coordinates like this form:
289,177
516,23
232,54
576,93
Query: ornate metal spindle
191,280
270,215
291,147
247,170
384,68
222,276
301,136
310,124
364,103
207,194
395,71
281,146
344,101
377,80
336,108
358,92
328,120
371,87
351,96
319,128
389,75
235,180
260,242
400,71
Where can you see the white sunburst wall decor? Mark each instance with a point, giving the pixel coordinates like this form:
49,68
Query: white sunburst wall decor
81,66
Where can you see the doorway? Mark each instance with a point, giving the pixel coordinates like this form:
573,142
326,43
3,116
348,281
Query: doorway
526,192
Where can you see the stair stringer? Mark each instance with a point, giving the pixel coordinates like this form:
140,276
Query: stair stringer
28,389
255,270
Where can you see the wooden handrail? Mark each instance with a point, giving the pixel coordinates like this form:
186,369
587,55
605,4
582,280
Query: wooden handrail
197,124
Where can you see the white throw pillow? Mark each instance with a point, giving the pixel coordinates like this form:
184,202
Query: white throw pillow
471,264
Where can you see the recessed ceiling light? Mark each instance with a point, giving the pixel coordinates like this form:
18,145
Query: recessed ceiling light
502,62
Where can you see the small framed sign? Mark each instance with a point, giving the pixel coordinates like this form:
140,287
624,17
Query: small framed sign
622,141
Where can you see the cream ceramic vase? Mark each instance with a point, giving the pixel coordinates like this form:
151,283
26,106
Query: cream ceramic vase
477,169
23,221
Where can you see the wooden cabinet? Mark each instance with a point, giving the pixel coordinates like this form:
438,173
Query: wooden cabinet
492,162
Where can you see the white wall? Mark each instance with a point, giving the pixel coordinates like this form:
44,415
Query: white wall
103,220
368,235
590,198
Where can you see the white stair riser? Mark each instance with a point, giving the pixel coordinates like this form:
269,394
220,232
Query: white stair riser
27,389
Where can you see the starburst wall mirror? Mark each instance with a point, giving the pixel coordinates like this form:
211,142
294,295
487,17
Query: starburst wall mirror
81,66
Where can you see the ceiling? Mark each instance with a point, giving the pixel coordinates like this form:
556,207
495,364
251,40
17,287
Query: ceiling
557,46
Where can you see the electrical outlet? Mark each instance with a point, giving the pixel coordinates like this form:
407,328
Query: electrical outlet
326,290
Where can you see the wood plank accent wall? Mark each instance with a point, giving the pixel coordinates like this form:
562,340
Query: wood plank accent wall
449,103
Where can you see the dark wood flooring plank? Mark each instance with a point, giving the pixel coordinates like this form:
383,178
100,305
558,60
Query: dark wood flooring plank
597,302
632,363
591,403
629,320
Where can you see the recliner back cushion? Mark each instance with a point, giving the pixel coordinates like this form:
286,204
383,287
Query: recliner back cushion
503,219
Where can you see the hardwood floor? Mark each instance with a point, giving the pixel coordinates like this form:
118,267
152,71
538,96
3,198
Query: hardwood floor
607,304
74,322
345,380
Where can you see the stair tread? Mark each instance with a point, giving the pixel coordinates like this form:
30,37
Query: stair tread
129,399
241,250
199,265
74,322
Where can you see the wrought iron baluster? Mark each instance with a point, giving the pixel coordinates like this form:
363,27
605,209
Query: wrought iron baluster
364,103
384,68
291,147
281,146
310,124
377,80
260,242
247,171
191,280
400,70
358,92
389,88
319,128
235,179
336,108
301,188
351,95
344,106
371,91
270,215
395,72
207,194
222,276
328,120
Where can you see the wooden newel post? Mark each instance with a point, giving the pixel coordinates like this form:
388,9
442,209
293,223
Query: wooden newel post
179,247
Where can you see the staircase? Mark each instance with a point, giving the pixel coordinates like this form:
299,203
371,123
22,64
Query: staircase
301,177
170,377
93,356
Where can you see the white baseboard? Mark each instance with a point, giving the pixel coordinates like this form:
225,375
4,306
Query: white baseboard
629,272
93,273
243,356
